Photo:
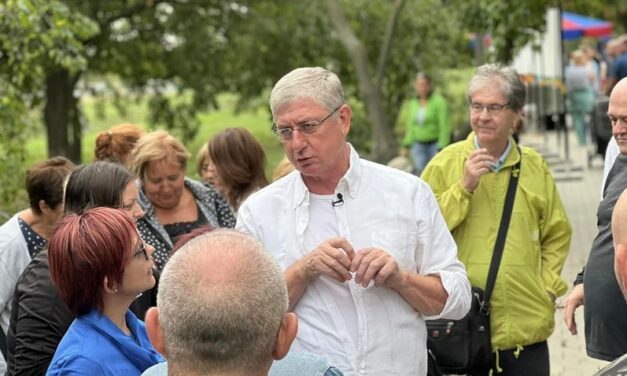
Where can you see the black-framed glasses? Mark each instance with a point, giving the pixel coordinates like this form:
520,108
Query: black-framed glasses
310,127
493,108
141,248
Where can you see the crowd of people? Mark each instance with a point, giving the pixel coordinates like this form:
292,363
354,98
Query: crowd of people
331,269
589,79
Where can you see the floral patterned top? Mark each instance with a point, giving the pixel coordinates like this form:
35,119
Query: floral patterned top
211,204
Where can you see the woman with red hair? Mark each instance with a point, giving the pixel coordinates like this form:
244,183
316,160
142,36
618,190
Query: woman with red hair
99,265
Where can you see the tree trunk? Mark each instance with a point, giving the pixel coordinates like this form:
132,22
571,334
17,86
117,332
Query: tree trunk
61,115
383,142
479,49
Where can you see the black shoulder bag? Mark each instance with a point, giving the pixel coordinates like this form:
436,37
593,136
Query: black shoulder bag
464,346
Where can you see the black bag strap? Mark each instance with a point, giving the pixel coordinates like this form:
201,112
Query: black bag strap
502,235
3,344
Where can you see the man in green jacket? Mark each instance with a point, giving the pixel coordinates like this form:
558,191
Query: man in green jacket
470,179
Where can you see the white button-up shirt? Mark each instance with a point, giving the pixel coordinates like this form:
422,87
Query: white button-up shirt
384,208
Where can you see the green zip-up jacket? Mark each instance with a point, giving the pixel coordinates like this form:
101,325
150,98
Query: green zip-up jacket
435,127
535,249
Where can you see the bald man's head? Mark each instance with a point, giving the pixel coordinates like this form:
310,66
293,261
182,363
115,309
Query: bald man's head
617,112
222,306
619,233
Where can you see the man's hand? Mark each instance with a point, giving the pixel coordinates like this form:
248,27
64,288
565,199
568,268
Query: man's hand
477,165
331,258
572,302
374,264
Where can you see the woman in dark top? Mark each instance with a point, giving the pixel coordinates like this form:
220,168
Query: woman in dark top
174,204
39,318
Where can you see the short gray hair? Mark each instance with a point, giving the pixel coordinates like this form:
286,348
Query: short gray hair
315,83
509,84
225,317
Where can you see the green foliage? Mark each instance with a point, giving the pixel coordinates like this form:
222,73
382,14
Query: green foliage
427,38
33,34
510,24
174,58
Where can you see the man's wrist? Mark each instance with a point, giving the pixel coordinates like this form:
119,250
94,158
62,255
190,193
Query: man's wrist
464,189
306,272
397,280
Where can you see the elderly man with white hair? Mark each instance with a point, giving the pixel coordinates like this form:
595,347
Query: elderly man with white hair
365,251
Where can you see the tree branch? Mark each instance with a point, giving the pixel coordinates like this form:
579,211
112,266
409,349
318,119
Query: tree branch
124,13
387,41
356,49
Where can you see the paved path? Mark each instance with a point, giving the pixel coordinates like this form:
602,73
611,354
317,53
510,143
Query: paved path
579,187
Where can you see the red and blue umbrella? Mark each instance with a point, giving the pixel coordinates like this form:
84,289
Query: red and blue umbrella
576,26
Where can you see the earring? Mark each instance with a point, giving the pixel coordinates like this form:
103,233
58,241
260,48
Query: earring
115,291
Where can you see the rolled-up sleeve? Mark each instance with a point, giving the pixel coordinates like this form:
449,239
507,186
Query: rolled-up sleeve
440,257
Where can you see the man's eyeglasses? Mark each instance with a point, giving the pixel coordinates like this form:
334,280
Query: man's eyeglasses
141,249
493,108
309,127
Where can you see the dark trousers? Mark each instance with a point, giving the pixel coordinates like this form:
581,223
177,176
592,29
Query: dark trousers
532,360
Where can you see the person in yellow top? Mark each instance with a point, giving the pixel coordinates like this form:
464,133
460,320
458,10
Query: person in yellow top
470,179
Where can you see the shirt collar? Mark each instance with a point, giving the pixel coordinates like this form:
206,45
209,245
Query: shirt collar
496,166
348,184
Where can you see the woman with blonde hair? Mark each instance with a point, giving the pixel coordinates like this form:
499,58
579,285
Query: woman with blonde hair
236,165
173,203
115,145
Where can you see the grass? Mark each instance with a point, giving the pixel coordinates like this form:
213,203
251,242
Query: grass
100,115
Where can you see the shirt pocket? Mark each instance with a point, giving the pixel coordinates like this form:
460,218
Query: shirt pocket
401,245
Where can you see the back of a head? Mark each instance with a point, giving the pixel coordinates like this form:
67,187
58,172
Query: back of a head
619,234
96,184
619,220
221,301
240,161
622,43
115,145
313,83
44,181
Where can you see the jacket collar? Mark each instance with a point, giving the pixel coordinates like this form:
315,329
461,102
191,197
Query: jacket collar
512,158
137,347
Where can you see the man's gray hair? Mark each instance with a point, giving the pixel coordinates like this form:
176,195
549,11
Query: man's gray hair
509,84
315,83
221,301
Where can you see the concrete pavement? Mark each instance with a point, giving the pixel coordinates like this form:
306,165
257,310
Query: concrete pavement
579,187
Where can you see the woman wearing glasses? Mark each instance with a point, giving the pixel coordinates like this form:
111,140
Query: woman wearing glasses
39,318
234,163
99,264
427,129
